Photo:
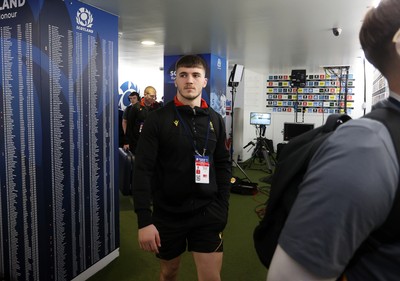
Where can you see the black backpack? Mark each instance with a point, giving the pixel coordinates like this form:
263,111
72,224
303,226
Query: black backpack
289,172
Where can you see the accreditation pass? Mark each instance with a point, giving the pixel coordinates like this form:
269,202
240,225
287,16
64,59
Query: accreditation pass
202,169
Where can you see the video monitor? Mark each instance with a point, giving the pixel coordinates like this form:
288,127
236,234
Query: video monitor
298,78
260,118
292,130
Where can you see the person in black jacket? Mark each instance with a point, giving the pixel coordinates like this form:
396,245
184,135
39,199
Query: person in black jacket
136,117
134,98
183,167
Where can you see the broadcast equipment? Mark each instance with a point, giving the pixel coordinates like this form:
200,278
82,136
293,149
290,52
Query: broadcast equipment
291,130
259,118
263,147
298,78
236,75
234,79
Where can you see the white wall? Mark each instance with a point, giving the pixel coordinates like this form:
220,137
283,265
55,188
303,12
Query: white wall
251,96
142,77
358,71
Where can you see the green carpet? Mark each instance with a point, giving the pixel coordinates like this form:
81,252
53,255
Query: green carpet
240,261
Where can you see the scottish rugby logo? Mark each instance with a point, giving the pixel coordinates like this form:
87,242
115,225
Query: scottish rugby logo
84,19
124,90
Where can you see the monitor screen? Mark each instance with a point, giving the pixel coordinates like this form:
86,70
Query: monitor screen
291,130
259,118
298,78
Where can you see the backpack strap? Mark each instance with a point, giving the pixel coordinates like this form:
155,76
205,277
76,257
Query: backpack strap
289,172
299,151
334,120
389,232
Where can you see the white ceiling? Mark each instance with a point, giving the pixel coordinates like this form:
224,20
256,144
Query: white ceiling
266,36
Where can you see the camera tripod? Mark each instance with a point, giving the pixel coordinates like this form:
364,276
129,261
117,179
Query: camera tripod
261,151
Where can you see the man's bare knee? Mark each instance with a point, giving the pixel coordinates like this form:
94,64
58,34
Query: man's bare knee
169,269
208,266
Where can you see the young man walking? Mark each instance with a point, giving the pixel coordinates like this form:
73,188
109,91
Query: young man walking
183,167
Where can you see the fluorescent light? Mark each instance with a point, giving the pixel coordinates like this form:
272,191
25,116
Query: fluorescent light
148,43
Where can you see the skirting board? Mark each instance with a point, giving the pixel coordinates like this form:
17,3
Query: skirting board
97,266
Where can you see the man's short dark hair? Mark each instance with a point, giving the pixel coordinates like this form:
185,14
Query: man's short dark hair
135,94
191,61
378,28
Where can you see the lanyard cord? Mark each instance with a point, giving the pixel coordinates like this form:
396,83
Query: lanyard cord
189,134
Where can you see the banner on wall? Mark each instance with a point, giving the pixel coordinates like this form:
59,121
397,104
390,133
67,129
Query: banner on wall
218,84
215,91
58,138
125,89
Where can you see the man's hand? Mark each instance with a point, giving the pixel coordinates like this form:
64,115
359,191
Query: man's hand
126,147
149,239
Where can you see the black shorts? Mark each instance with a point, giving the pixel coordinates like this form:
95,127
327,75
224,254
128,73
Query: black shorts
201,232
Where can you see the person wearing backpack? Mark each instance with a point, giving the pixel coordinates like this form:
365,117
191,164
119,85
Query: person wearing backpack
350,188
183,166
